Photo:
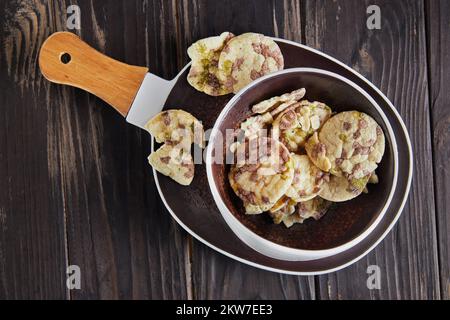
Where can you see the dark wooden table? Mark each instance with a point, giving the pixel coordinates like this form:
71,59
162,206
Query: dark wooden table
76,188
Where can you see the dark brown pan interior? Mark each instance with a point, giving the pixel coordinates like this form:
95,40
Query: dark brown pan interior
344,221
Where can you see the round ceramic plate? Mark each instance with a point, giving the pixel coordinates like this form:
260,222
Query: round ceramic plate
193,207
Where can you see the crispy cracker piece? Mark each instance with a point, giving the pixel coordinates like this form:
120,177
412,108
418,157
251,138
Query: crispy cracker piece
317,153
350,143
340,189
373,178
254,124
174,162
177,130
253,127
175,125
282,209
205,55
274,102
377,151
246,58
308,179
297,123
314,208
263,172
282,203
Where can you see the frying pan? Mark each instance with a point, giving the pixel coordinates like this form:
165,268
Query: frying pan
138,95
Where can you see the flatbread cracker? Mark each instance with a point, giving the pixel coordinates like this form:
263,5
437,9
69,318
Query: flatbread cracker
282,209
315,208
251,128
274,102
254,124
350,144
174,162
246,58
317,153
205,55
176,125
340,189
297,123
177,130
308,179
262,175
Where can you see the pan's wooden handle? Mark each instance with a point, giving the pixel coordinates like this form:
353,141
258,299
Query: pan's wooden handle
65,59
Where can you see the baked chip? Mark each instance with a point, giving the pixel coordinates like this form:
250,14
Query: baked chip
175,162
205,55
340,189
246,58
350,144
175,125
282,209
263,173
314,208
294,125
177,130
274,102
308,179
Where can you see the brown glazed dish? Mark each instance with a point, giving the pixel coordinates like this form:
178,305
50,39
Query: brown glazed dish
196,211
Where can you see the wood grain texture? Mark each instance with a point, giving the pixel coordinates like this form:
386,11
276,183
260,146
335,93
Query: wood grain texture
67,200
76,187
33,255
216,276
118,229
394,59
439,72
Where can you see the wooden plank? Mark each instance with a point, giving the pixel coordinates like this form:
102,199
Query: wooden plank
394,59
215,276
89,167
439,76
119,232
218,277
33,257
